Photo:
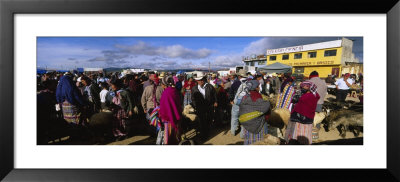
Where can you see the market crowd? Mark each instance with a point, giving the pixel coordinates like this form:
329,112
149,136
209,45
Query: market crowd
157,101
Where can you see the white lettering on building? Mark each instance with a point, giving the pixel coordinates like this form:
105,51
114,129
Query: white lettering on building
316,46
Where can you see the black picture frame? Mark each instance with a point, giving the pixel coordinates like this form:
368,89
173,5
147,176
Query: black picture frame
9,8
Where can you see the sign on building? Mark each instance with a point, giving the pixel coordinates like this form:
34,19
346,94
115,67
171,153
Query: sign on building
316,46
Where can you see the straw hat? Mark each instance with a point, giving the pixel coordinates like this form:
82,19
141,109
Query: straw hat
162,75
274,74
129,72
242,73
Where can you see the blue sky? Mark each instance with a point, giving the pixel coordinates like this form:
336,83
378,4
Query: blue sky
163,52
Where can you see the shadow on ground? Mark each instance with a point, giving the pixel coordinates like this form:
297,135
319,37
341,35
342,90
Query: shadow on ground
351,141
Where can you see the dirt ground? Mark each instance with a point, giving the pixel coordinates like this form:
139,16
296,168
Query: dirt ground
221,135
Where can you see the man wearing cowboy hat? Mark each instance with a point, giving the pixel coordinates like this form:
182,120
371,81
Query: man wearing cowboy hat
238,90
204,100
276,83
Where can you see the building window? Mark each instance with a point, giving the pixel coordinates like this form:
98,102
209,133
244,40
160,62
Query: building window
272,58
298,55
299,70
247,63
312,54
252,63
285,57
330,53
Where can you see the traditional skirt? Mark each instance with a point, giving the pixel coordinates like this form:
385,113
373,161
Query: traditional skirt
171,136
187,98
71,113
119,123
300,132
250,138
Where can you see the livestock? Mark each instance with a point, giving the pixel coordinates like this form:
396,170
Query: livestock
319,117
189,113
279,118
345,120
100,124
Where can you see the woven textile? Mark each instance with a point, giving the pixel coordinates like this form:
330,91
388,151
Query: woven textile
285,98
300,132
71,113
250,138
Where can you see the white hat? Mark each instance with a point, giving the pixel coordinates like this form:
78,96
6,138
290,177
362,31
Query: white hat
79,79
199,76
121,75
127,72
242,73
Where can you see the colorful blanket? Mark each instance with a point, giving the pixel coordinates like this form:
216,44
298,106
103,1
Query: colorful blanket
285,98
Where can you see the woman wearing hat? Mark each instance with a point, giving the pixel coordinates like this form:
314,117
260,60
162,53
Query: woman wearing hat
170,111
299,129
253,114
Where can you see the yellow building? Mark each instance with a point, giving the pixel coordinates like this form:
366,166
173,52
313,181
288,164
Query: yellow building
327,58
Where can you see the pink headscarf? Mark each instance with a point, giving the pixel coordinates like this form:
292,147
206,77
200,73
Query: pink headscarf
311,85
175,79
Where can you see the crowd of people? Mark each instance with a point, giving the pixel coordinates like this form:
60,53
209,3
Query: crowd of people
158,99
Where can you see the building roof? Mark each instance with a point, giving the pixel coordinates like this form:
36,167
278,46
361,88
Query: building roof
276,68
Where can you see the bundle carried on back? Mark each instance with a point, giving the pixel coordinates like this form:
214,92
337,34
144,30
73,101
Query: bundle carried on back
252,112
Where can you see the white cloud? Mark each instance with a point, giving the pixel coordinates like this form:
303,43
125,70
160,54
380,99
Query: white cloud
173,51
257,47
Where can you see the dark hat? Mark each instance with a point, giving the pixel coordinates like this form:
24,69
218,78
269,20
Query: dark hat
253,84
314,74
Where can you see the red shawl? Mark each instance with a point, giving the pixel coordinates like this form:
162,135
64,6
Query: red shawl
170,106
307,105
255,95
191,85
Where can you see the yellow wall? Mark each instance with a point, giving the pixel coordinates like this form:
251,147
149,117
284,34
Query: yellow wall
323,71
320,60
323,65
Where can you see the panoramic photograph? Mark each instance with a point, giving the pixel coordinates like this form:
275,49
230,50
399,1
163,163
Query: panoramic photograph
199,91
